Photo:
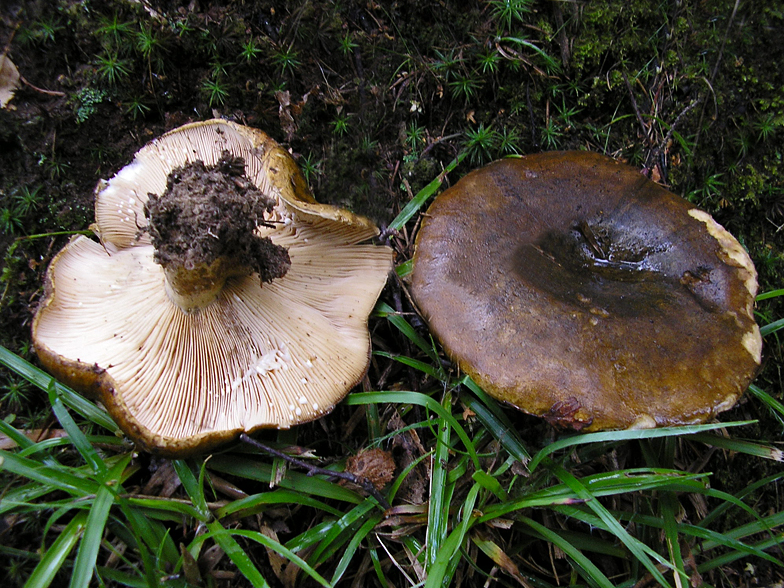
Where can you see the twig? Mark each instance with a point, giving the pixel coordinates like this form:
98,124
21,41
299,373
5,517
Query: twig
41,90
312,470
657,156
436,142
21,77
645,129
715,71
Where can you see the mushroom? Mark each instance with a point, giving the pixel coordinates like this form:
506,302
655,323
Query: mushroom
185,346
572,287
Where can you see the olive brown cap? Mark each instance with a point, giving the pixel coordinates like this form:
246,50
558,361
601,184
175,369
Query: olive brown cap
181,373
572,287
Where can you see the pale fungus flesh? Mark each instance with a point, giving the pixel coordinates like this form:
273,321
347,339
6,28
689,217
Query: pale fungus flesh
572,287
189,354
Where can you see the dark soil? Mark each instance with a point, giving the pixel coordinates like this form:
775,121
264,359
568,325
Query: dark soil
207,212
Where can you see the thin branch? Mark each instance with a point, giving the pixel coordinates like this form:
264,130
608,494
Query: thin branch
645,129
312,470
41,90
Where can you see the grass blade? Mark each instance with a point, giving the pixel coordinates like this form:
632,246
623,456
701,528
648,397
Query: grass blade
423,367
331,541
237,554
257,502
75,435
770,294
727,558
408,397
193,487
43,381
54,557
254,470
613,436
15,435
494,419
443,568
51,477
776,407
740,446
490,483
588,570
385,311
438,505
84,566
642,552
669,512
353,545
418,201
773,327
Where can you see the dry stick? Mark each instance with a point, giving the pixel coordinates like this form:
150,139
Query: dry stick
21,77
312,470
436,142
658,154
645,130
41,90
715,71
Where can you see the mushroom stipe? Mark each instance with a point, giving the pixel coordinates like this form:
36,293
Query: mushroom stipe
570,286
191,354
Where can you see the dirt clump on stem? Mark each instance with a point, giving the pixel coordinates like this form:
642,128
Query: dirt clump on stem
212,212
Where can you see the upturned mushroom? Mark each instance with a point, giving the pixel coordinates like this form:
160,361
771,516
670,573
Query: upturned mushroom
570,286
221,297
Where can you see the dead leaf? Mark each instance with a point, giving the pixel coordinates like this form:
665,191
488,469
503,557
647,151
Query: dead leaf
34,435
376,465
189,567
165,479
284,113
501,559
9,79
289,111
408,449
277,561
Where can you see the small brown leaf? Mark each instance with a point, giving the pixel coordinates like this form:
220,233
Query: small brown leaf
35,435
376,465
284,113
501,559
189,567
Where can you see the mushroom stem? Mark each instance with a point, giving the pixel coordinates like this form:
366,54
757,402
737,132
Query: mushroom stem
204,230
194,288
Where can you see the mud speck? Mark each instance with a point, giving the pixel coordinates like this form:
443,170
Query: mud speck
207,212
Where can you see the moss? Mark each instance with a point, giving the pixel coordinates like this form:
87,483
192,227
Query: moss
86,102
617,33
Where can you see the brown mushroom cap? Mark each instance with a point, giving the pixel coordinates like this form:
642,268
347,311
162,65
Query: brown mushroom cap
572,287
273,356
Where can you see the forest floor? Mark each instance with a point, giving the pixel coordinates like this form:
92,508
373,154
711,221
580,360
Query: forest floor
374,100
